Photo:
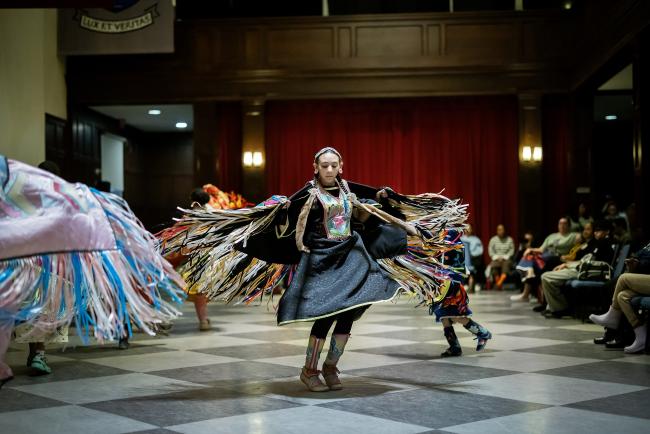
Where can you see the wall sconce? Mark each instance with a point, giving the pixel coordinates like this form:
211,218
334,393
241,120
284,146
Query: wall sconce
257,159
530,153
253,159
248,159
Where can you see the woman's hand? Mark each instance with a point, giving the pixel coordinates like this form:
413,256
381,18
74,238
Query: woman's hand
632,264
382,194
560,267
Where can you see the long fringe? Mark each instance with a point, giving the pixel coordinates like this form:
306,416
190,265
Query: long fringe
301,224
214,267
422,271
107,293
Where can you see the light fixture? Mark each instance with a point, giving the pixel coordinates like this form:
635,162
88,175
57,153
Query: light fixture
567,5
611,117
257,159
181,125
527,153
154,112
537,153
248,159
253,159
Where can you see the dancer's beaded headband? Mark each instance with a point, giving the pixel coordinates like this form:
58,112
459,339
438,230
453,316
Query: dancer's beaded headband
325,151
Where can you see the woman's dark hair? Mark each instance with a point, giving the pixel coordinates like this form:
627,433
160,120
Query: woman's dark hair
603,225
327,150
50,166
199,196
104,186
619,222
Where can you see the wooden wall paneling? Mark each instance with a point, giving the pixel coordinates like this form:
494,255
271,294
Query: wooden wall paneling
433,40
344,42
232,50
252,48
389,41
85,158
298,57
206,50
297,45
538,42
487,42
159,176
55,141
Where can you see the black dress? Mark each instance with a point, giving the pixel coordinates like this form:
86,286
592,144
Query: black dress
242,255
338,274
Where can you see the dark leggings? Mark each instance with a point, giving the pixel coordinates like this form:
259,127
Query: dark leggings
343,323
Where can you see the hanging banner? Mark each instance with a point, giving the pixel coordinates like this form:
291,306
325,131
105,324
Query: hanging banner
130,27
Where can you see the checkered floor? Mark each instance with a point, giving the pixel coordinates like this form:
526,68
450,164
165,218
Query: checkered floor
537,375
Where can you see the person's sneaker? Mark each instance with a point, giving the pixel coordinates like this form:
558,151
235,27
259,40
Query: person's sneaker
557,314
38,363
540,308
482,338
519,297
610,335
205,325
615,344
452,352
164,328
123,344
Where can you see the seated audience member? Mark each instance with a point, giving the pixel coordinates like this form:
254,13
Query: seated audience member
620,231
611,212
635,282
537,260
583,217
501,250
596,241
474,248
524,243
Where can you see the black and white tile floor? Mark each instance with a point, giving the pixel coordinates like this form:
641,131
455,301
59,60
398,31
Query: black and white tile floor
536,376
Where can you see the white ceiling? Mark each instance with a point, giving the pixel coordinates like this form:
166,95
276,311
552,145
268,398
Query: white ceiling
621,81
137,116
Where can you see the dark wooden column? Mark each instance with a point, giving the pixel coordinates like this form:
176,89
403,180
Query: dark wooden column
530,172
641,146
581,167
206,144
253,137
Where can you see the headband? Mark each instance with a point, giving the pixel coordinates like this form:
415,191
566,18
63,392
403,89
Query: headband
325,151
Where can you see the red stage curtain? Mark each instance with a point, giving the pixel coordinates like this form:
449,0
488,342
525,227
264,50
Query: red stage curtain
557,138
229,142
464,145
